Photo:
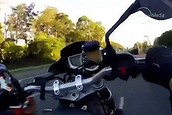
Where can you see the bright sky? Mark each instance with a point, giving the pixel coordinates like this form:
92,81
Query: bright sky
136,28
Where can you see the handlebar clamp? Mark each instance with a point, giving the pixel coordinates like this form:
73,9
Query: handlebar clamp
78,82
56,87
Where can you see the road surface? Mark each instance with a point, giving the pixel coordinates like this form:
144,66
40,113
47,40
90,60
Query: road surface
140,98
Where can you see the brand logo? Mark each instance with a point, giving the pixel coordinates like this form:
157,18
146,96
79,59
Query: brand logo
152,14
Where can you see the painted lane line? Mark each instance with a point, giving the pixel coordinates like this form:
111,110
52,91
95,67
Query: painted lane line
121,103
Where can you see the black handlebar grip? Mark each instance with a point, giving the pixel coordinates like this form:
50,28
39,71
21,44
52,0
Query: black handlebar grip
41,81
42,95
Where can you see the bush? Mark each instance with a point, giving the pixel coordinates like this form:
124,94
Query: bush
13,52
118,47
165,39
1,38
45,47
1,50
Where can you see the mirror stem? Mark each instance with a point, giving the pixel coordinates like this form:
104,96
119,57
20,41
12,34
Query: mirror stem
132,9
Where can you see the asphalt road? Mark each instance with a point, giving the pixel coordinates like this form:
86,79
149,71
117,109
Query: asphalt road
140,98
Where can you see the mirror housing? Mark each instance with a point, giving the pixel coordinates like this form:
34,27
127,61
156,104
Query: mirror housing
156,9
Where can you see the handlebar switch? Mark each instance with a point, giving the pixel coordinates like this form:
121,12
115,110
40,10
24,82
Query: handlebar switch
78,81
56,87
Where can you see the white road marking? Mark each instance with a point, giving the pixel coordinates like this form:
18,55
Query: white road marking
48,110
121,103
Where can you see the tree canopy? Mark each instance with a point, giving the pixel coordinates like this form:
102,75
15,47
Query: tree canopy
141,48
51,31
118,47
86,29
45,47
165,39
20,21
54,23
1,34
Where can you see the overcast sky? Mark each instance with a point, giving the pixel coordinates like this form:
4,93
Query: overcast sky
137,27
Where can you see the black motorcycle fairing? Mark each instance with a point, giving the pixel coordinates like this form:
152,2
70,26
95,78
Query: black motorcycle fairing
110,58
59,67
72,49
4,99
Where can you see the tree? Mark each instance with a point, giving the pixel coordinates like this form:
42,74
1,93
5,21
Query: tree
62,26
14,52
118,47
133,51
54,23
1,34
46,47
20,21
87,30
141,47
164,39
156,42
43,23
1,41
145,47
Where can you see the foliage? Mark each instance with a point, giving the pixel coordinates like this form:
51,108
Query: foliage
13,52
87,30
164,39
1,35
118,47
54,23
1,40
20,21
133,51
52,31
45,47
142,47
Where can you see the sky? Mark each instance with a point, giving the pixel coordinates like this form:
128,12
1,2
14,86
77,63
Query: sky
137,28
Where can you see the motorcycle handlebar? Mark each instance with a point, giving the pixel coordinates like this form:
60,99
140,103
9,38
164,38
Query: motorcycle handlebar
77,85
35,88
